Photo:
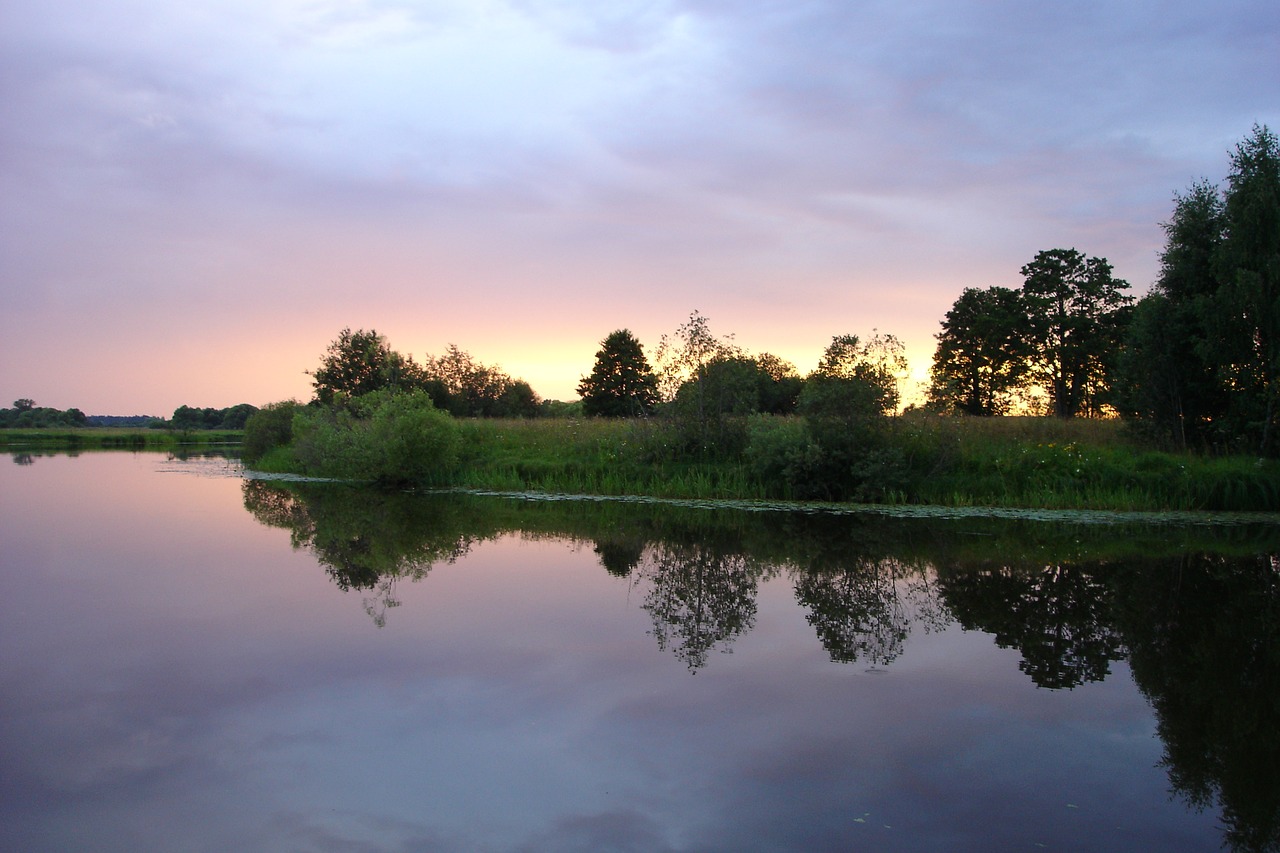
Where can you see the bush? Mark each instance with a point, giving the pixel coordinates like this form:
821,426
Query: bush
268,428
389,437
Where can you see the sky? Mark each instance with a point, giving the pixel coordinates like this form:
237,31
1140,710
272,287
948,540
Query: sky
197,197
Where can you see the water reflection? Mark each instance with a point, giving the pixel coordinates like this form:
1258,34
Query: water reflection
1058,616
1193,611
1203,634
701,599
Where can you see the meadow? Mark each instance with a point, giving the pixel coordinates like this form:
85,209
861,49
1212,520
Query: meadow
1030,462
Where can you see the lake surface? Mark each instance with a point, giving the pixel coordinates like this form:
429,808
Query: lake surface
193,661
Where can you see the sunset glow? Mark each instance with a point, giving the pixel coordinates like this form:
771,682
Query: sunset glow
197,198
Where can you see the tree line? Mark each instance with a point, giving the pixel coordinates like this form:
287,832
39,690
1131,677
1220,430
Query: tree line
1194,364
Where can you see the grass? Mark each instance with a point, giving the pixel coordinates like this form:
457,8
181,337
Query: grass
1040,463
596,456
108,438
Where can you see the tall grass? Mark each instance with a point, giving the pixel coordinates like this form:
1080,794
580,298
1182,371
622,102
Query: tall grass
1016,461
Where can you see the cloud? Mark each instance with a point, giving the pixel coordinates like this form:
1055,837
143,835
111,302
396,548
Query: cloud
857,165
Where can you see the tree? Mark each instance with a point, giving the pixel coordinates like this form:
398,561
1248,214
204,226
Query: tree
621,383
982,353
361,362
880,364
844,404
1203,357
709,386
778,384
468,388
1249,268
1167,374
1076,315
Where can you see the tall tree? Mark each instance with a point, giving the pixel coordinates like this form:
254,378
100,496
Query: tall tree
621,383
1249,264
1168,369
982,352
1076,313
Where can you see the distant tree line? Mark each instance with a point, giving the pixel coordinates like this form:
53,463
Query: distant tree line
25,414
190,418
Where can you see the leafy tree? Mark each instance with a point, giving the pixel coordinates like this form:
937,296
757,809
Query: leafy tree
1076,314
982,353
880,364
680,358
710,386
469,388
778,384
361,362
621,384
1167,372
1249,268
844,403
25,404
389,437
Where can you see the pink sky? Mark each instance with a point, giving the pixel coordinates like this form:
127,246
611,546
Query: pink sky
196,197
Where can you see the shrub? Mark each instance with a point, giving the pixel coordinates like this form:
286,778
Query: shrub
392,438
269,427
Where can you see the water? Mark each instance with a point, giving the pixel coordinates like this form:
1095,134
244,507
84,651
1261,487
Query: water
193,661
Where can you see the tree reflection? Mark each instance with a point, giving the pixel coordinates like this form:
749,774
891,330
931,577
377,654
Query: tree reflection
865,610
1204,639
1058,616
365,539
699,597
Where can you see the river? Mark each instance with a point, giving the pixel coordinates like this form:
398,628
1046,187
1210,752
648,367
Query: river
197,661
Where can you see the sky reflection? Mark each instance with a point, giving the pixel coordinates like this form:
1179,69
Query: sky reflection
177,677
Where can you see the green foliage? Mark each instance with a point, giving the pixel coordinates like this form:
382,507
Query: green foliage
982,353
1203,362
467,388
386,437
778,385
1076,317
25,414
268,428
1249,270
621,383
190,418
361,362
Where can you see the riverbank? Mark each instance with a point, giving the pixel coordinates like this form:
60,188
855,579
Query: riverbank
108,438
1034,463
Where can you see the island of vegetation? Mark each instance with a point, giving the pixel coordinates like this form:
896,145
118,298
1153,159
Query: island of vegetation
1064,393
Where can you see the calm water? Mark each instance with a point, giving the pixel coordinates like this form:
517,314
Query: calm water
192,661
